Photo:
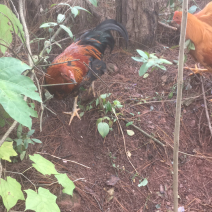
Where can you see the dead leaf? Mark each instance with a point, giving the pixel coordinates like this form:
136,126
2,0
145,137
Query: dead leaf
129,154
112,181
110,194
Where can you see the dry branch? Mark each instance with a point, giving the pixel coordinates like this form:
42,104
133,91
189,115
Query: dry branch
178,103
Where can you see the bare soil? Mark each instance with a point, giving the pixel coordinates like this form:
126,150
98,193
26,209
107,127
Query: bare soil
149,104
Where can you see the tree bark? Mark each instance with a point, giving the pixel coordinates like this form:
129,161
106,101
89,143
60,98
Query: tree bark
140,19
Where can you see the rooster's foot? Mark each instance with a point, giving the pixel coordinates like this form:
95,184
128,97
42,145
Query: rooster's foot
196,70
74,111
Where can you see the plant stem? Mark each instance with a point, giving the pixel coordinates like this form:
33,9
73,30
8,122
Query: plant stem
178,103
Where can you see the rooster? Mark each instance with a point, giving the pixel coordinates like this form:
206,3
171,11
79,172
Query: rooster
200,34
80,63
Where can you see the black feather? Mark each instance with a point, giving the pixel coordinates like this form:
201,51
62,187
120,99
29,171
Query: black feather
102,34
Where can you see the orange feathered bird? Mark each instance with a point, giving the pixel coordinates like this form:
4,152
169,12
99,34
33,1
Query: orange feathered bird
72,66
200,34
205,14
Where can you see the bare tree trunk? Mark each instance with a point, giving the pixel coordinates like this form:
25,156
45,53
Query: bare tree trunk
140,19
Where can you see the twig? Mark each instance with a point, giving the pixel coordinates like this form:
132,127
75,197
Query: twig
206,107
57,84
64,159
24,177
145,133
52,64
167,26
125,148
178,104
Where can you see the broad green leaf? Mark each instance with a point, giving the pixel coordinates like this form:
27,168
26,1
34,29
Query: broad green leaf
7,151
60,18
6,27
67,30
10,191
130,132
42,165
75,11
139,59
103,129
97,101
143,54
94,2
117,104
19,131
13,86
170,95
143,183
66,183
50,24
36,140
129,123
192,9
43,201
108,106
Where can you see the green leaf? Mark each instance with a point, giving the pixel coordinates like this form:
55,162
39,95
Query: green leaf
75,11
60,18
94,2
10,191
139,59
143,54
36,140
7,151
30,132
81,8
98,121
192,9
117,104
13,86
50,24
43,201
67,30
130,132
19,131
22,155
6,27
143,69
129,123
18,141
108,106
42,165
104,96
170,95
97,101
81,114
103,129
66,183
161,61
143,183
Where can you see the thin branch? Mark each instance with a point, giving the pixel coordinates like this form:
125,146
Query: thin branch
52,64
125,148
178,104
206,107
58,84
167,26
64,159
145,133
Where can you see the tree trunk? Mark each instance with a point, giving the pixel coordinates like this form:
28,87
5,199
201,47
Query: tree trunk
140,18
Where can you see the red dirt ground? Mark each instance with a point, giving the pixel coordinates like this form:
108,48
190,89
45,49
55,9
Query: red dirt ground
82,143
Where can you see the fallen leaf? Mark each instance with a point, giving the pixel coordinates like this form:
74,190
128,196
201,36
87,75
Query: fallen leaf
112,181
129,154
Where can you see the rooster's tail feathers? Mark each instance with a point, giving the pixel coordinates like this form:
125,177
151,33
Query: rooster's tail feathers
101,36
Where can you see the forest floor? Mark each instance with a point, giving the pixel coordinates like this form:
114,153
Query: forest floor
109,181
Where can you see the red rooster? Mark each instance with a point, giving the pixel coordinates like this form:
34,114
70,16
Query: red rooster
85,52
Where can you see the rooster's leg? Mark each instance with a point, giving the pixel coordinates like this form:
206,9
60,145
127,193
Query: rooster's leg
196,70
92,89
74,111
